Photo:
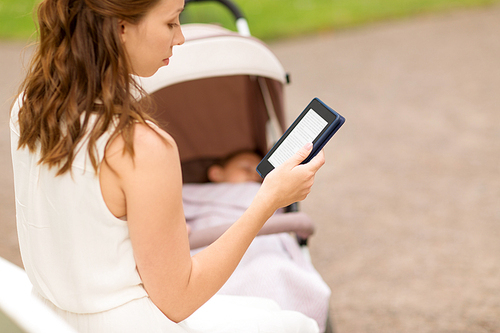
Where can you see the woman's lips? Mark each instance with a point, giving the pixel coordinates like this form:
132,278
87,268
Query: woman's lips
166,61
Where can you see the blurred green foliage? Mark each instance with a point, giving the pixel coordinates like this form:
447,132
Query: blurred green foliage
272,19
16,19
268,19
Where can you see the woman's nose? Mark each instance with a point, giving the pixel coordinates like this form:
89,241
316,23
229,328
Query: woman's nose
179,37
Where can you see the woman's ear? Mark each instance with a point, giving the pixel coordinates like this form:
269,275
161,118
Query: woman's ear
121,29
216,174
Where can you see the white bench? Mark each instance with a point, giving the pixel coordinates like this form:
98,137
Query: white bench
22,311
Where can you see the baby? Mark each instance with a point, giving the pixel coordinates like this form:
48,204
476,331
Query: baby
236,168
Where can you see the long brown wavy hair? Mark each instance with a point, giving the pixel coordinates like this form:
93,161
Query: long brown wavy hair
80,65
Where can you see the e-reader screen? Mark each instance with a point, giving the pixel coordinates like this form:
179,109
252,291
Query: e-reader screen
306,131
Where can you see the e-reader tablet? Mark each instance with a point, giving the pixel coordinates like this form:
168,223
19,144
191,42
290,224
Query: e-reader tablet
316,124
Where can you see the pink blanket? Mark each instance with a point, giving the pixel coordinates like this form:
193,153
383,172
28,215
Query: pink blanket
274,265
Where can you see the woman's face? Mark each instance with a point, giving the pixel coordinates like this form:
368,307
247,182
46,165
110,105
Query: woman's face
149,43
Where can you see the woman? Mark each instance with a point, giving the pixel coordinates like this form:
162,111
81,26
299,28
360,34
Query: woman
99,187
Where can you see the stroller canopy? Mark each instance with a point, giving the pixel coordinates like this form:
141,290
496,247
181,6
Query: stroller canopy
211,51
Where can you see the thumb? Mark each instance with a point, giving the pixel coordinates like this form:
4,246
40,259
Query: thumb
301,154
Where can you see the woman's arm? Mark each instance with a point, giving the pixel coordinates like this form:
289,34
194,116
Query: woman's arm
148,188
296,222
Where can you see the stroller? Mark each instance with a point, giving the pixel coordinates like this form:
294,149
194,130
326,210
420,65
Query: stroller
223,93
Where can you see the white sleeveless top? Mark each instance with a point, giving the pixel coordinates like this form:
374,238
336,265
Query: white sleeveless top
75,251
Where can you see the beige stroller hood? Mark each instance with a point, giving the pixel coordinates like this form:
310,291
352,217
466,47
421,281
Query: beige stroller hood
211,51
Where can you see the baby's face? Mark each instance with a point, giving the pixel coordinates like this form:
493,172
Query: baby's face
241,169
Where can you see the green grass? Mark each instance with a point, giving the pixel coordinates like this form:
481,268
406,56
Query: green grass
16,19
271,19
7,325
268,19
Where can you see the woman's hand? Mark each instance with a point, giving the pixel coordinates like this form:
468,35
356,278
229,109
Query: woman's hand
291,181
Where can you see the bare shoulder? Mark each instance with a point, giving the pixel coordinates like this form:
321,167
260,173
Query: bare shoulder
129,184
149,137
151,145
